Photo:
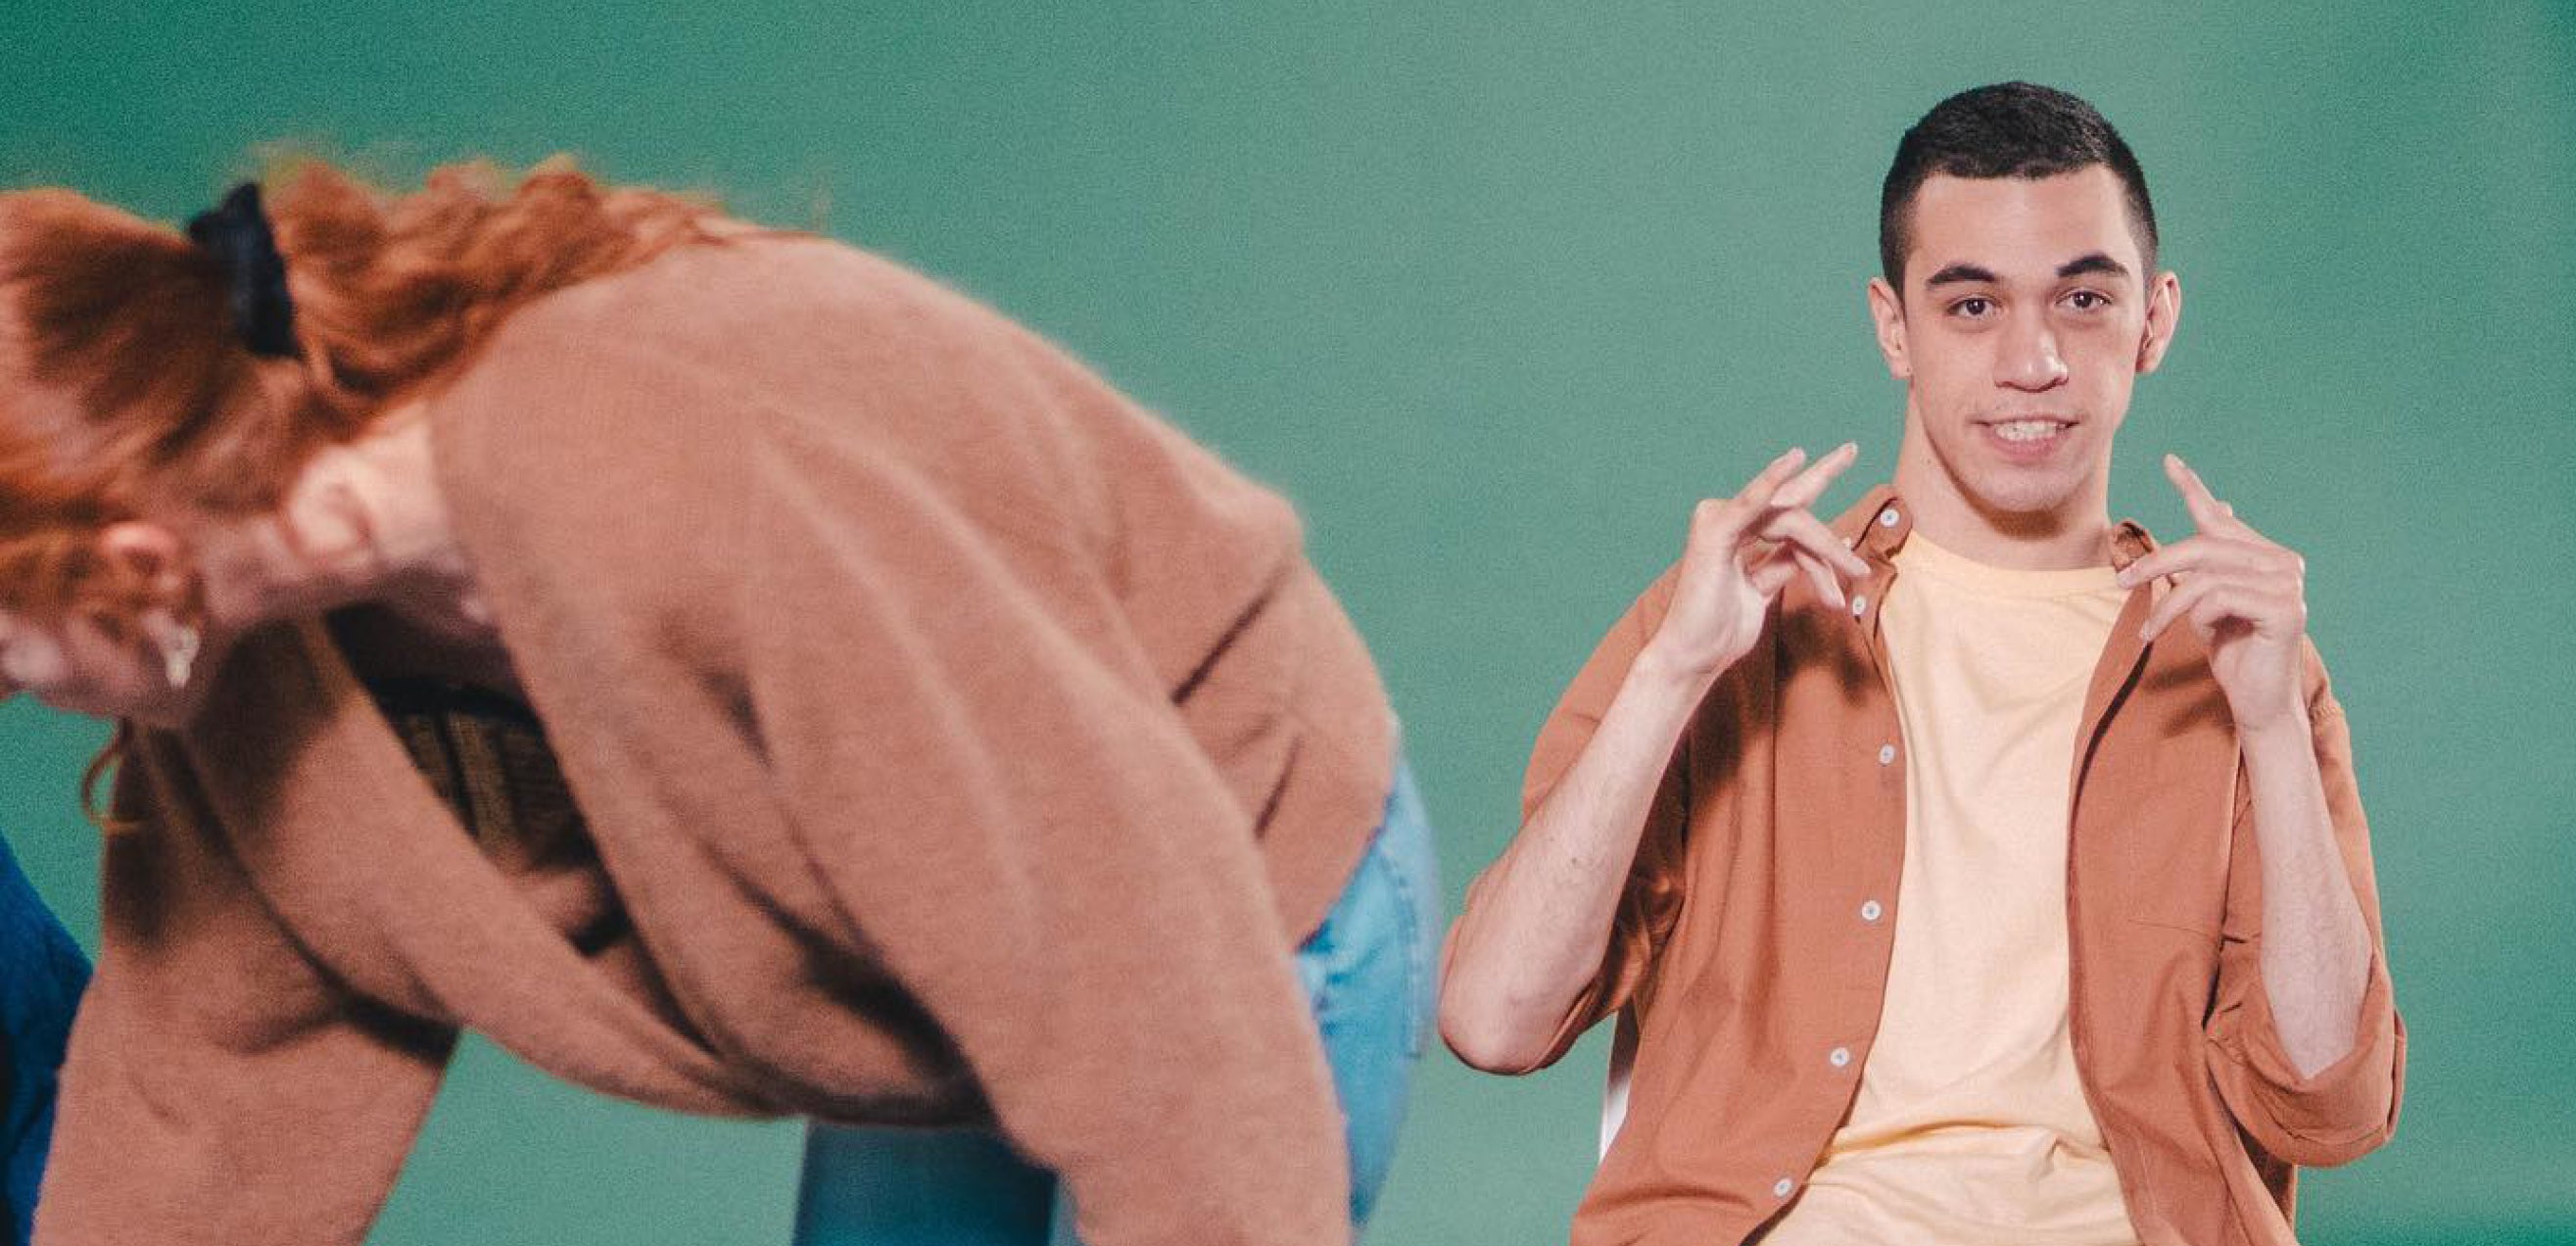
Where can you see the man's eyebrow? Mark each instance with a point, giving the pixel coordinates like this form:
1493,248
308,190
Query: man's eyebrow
2094,263
1957,273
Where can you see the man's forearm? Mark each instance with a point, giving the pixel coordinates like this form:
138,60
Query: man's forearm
1538,921
1542,913
2316,948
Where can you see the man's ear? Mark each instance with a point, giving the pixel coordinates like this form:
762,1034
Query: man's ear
1889,312
2164,312
151,556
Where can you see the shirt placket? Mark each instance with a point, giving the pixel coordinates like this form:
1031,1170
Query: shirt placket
1870,909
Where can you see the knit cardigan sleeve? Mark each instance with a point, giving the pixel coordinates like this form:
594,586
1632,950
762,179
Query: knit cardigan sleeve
220,1087
1019,825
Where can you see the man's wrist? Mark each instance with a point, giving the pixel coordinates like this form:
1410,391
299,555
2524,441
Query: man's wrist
1658,667
2284,739
2283,725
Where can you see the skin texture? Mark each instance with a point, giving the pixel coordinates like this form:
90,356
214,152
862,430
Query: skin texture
2025,299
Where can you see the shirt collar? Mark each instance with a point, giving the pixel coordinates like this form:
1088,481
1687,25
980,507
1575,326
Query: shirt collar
1877,525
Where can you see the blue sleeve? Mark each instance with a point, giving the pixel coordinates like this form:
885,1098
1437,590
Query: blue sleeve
42,973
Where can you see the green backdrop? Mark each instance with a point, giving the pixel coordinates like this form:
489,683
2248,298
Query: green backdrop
1495,290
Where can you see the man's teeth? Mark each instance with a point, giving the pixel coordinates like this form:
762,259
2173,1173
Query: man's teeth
2028,430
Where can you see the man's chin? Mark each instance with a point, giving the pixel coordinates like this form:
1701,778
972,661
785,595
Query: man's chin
2025,501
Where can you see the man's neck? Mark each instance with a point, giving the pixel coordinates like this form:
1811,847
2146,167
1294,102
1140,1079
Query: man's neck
2067,537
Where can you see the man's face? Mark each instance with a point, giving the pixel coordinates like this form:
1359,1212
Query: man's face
2027,316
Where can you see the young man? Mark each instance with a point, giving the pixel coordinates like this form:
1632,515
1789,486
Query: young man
1970,869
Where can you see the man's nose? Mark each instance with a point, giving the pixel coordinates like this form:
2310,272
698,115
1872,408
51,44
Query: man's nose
2029,359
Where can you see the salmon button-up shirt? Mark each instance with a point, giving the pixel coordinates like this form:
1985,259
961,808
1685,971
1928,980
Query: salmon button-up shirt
1751,947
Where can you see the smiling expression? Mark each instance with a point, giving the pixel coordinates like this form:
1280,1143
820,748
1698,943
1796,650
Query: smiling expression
2027,317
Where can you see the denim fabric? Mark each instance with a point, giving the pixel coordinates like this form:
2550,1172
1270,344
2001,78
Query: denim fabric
42,974
1368,971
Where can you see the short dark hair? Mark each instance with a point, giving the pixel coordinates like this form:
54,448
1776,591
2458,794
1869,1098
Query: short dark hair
2009,129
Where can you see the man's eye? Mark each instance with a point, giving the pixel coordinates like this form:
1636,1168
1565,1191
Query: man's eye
1972,308
2087,300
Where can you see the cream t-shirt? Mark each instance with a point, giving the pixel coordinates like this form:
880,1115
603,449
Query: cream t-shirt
1970,1126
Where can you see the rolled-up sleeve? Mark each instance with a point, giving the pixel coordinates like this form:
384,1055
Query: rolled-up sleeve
2347,1109
1022,829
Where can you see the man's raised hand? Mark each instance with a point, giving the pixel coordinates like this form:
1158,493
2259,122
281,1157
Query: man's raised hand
2243,594
1742,551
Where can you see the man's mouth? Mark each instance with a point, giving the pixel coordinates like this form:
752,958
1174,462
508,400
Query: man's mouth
2024,431
2029,440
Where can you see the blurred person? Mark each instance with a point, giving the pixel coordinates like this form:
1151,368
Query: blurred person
725,669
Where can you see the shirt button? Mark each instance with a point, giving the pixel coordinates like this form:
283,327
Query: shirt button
1838,1057
1887,518
1781,1187
1870,911
1860,604
1887,754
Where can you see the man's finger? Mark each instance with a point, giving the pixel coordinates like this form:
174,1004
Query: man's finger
1811,483
1770,573
1828,588
1722,520
2198,553
2241,605
2208,600
1757,492
2206,510
2262,606
2175,603
2243,551
1810,534
2215,609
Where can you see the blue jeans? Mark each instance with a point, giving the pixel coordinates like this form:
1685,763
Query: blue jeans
1368,974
